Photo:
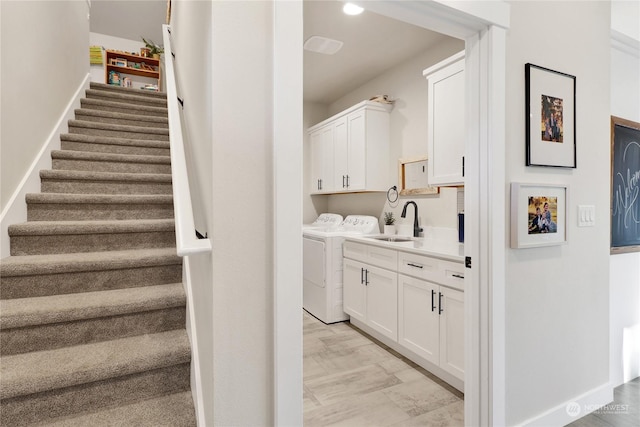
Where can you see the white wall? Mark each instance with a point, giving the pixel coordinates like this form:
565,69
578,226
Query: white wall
408,129
116,43
557,298
625,268
191,42
43,63
242,212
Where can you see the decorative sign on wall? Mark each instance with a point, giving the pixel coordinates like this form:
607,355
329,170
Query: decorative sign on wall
625,186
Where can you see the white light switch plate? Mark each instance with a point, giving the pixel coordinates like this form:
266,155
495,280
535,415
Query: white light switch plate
586,216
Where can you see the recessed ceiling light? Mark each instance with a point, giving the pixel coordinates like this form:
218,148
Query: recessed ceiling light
322,45
352,9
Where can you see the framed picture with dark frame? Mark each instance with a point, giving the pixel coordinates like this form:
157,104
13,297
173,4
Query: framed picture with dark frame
538,215
550,104
625,186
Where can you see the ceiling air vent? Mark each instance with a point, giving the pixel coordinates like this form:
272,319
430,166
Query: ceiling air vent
322,45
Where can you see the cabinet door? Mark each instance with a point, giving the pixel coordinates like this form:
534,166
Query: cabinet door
340,154
317,155
446,129
419,322
382,301
354,289
452,332
322,160
357,155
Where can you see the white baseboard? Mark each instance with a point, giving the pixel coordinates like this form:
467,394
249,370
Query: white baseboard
16,209
196,375
571,410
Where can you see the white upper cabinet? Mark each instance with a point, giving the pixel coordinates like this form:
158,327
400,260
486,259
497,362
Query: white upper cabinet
446,121
354,153
322,158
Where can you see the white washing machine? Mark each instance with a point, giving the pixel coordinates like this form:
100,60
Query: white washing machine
324,220
322,265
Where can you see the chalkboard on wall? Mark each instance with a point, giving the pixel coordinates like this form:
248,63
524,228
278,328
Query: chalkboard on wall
625,186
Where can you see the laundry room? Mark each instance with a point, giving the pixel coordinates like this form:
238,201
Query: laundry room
369,86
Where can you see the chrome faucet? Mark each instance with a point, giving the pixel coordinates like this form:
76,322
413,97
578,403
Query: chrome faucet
416,227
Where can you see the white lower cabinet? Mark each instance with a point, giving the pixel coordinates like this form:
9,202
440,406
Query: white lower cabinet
452,331
431,323
371,295
410,299
418,317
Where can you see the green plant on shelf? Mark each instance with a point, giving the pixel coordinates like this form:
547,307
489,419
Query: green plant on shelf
154,49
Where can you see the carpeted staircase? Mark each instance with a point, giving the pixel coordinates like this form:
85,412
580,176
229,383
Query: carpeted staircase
92,306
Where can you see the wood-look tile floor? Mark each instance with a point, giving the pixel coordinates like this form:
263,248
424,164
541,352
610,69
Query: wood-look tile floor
352,380
624,411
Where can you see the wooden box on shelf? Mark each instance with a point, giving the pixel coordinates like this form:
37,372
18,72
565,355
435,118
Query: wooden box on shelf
127,63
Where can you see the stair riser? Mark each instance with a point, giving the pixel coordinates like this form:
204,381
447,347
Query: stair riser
49,337
119,108
102,166
117,121
104,187
89,281
118,134
77,212
52,244
141,100
115,149
42,407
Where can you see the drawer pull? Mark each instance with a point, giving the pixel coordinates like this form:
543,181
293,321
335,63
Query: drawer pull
414,265
459,276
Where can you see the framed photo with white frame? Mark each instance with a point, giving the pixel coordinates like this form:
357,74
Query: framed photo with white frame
538,215
550,104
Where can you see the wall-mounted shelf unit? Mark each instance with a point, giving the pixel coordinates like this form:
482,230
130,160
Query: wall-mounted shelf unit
121,62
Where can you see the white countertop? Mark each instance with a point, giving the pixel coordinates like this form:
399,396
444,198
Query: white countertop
445,249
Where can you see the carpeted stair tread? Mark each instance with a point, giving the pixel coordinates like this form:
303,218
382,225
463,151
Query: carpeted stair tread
161,132
173,410
126,97
40,371
113,117
111,105
124,199
128,90
72,175
106,144
34,228
28,265
108,157
23,312
106,140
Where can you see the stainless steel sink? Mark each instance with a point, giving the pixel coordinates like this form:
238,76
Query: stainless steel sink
393,238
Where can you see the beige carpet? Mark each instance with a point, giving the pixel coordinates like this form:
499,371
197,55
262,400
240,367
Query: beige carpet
92,308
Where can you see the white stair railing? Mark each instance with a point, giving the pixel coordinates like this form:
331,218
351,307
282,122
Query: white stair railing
186,241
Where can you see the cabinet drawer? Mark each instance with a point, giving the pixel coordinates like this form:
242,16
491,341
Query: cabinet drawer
357,251
419,266
433,269
452,274
374,255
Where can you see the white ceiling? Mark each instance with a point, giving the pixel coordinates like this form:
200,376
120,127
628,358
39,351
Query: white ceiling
129,19
372,43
